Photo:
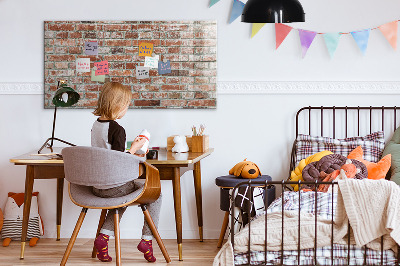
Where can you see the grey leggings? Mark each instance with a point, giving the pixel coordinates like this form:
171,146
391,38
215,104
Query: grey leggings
154,208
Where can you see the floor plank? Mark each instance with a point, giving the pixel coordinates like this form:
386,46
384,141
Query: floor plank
49,252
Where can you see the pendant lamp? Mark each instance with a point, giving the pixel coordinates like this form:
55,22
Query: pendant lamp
64,97
272,11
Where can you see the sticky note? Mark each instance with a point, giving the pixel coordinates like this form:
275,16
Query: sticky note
164,67
99,78
151,62
102,67
83,65
145,49
142,72
91,48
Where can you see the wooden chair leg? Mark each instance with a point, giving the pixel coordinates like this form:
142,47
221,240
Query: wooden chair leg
73,237
154,230
117,238
101,222
223,229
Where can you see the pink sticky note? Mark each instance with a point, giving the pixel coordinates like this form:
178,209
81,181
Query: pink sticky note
102,68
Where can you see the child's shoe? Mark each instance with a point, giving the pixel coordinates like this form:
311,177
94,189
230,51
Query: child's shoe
146,247
101,245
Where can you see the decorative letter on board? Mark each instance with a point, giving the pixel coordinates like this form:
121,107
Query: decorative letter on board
83,65
102,67
145,49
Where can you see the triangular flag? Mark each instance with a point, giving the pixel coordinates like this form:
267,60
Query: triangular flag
281,31
390,32
361,37
306,39
237,9
213,2
332,41
255,28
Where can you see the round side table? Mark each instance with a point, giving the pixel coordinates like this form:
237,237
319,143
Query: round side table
228,182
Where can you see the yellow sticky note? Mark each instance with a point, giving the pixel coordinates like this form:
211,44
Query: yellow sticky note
145,49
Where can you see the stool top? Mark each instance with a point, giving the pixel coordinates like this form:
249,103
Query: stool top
230,181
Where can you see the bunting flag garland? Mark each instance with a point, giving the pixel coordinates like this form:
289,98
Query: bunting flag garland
281,31
361,37
332,41
306,39
255,28
213,2
389,30
237,9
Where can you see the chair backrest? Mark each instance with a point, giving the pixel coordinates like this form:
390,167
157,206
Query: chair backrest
92,166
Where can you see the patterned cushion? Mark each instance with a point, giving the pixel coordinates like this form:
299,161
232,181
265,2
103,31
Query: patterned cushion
372,144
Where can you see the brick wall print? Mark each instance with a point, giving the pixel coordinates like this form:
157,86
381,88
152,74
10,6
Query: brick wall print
190,46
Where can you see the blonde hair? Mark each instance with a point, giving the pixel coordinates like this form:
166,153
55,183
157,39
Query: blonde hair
113,97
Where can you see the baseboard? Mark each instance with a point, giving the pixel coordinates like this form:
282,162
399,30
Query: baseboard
258,87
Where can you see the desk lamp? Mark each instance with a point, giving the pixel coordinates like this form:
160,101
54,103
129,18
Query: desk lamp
272,11
64,97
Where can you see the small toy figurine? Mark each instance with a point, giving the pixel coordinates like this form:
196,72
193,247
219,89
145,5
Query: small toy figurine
180,144
245,169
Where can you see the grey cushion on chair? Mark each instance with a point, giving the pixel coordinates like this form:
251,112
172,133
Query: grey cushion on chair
83,196
99,167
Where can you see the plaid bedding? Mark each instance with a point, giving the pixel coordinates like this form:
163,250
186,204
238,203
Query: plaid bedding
322,207
372,145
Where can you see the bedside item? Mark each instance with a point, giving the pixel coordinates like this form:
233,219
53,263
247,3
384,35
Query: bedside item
144,134
273,11
171,143
12,223
245,169
180,144
64,97
200,143
226,183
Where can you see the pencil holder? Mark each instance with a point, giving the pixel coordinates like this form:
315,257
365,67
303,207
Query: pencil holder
200,143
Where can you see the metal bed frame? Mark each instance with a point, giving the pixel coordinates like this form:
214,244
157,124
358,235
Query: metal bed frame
283,184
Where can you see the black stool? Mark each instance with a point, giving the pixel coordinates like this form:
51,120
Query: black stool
226,183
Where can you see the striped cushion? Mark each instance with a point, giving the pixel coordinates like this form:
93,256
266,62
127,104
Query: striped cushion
372,145
13,228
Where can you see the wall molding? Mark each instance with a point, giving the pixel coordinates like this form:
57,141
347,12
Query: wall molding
259,87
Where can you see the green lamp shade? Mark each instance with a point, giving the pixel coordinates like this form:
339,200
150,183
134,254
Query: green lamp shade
65,97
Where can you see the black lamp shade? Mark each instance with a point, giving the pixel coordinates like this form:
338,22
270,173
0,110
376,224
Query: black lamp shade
273,11
61,101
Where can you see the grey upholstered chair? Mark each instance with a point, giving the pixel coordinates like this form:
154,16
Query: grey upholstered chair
85,167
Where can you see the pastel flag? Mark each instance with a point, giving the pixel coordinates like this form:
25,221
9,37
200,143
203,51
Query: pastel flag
389,30
237,9
213,2
306,39
361,37
332,41
281,31
255,28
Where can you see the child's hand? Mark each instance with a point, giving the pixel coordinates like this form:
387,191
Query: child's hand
143,155
137,144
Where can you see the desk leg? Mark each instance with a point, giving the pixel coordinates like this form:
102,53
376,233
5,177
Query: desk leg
60,190
176,182
27,206
199,204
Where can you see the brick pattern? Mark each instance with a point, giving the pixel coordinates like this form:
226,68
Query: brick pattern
189,45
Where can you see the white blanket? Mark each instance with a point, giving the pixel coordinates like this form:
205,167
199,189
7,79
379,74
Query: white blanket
371,206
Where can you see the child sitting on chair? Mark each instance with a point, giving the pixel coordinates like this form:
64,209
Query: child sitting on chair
106,133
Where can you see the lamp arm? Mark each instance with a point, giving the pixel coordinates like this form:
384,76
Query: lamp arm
54,126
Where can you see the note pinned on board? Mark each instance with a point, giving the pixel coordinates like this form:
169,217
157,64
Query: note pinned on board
145,49
151,62
83,65
164,67
142,72
102,67
91,48
99,78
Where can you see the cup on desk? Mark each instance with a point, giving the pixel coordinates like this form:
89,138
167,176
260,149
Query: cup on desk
152,155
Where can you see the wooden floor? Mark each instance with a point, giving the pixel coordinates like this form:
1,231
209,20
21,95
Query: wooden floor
50,252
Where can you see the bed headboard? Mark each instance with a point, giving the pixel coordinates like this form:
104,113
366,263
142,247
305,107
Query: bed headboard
344,121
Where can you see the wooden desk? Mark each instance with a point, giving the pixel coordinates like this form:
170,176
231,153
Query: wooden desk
168,164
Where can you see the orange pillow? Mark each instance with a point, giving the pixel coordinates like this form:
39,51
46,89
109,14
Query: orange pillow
375,170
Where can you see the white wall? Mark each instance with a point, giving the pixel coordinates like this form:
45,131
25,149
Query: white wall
258,127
